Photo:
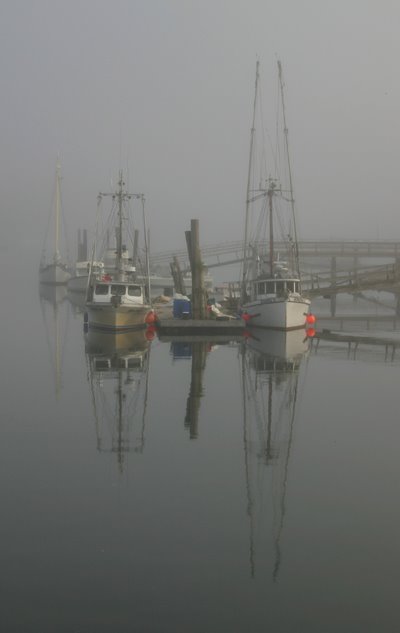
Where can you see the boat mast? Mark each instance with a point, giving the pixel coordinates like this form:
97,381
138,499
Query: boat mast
57,222
147,247
286,135
270,194
246,228
120,197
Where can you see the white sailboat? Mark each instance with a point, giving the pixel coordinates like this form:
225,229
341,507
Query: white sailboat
56,270
271,293
117,299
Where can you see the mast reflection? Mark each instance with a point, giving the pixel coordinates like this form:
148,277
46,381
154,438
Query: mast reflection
55,311
118,368
271,362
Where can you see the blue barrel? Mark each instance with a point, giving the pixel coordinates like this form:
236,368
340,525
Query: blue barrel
181,309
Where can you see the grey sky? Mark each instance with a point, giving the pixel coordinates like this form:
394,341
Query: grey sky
164,89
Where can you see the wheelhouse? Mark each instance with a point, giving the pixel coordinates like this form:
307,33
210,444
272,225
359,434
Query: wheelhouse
125,292
265,288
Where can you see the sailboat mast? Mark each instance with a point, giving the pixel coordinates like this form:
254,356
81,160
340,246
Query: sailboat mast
246,227
271,229
57,222
119,228
147,247
286,136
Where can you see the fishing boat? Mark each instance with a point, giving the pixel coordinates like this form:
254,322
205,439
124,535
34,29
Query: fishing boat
271,293
55,270
116,299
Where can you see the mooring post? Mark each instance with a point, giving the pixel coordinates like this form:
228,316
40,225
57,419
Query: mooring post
177,276
198,294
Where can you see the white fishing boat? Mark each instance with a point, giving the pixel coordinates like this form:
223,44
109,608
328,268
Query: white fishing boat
116,299
53,269
271,293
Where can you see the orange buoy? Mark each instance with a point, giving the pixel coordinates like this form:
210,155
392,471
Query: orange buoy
151,318
310,332
150,333
310,318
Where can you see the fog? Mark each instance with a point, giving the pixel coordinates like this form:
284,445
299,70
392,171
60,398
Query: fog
163,89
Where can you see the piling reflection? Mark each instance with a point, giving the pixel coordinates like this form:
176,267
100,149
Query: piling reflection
55,312
271,362
118,368
199,355
196,351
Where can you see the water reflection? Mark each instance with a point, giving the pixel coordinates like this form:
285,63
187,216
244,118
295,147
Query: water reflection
196,351
55,311
118,368
271,362
199,356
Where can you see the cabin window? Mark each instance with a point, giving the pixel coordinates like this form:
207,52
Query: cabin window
270,287
134,291
101,289
117,289
290,285
261,288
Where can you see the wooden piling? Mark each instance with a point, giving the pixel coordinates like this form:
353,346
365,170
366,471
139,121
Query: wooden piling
198,293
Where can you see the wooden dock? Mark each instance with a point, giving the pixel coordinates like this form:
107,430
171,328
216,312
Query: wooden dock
230,329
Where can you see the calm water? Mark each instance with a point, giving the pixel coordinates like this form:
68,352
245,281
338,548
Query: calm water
195,488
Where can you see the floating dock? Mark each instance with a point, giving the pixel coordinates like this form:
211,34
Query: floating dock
230,329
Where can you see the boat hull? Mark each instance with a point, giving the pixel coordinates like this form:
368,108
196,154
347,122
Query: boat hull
78,283
283,345
278,313
122,318
54,274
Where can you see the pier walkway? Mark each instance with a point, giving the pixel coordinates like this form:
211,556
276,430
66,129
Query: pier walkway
227,253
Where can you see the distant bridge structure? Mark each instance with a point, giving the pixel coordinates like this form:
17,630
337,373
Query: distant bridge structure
344,270
229,253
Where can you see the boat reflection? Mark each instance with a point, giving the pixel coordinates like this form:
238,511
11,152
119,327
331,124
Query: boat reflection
271,362
55,312
118,366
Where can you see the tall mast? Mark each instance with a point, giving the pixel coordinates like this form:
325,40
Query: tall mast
121,196
286,135
270,194
57,222
246,227
119,228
